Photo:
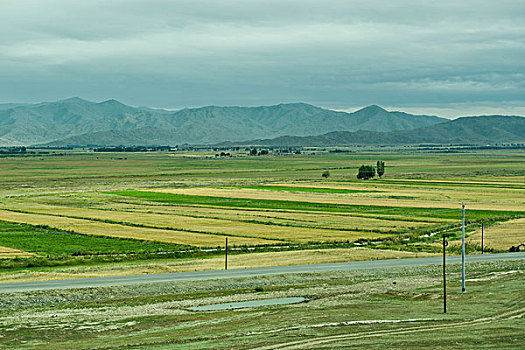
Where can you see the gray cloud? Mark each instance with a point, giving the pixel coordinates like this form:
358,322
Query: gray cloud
331,53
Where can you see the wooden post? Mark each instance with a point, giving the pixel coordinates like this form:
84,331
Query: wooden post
445,243
226,256
463,249
482,238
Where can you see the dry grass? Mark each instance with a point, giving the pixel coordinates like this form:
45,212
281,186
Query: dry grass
317,257
501,236
6,252
216,226
328,219
483,199
117,230
234,262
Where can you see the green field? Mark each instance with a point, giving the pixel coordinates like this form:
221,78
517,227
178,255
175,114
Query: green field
50,246
132,205
38,240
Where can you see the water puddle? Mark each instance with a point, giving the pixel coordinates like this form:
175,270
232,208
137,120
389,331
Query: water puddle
251,303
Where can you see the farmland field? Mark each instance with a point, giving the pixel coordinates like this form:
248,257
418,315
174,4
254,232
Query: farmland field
184,205
77,214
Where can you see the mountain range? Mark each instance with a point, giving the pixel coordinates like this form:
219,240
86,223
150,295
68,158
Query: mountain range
481,130
78,122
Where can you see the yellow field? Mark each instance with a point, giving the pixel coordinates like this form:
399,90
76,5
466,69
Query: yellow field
204,226
502,236
311,219
214,226
396,196
92,193
117,230
12,253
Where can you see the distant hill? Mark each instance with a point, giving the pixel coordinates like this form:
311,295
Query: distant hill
146,136
48,121
79,122
11,105
465,130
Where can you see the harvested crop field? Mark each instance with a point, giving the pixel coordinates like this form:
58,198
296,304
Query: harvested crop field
503,235
205,225
87,214
399,195
10,253
96,228
182,203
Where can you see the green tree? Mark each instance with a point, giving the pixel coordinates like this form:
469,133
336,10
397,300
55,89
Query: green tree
326,174
253,152
380,168
366,172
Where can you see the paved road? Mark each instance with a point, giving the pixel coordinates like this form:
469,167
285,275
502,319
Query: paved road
235,273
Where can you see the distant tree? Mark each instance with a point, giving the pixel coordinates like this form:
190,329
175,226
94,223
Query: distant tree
264,152
366,172
380,168
326,174
253,152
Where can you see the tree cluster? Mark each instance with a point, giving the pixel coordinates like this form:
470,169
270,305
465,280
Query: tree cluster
369,171
262,152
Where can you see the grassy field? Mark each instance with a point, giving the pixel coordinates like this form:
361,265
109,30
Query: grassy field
394,308
165,201
84,214
503,235
38,240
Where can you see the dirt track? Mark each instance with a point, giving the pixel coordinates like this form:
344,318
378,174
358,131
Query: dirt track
317,343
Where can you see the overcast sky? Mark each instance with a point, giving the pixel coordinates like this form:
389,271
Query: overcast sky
443,57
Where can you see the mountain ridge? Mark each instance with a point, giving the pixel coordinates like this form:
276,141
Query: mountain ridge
77,121
487,129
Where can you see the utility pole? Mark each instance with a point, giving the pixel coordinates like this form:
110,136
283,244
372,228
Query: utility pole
445,243
481,238
226,255
463,248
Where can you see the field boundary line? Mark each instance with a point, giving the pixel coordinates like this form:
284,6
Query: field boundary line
130,224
